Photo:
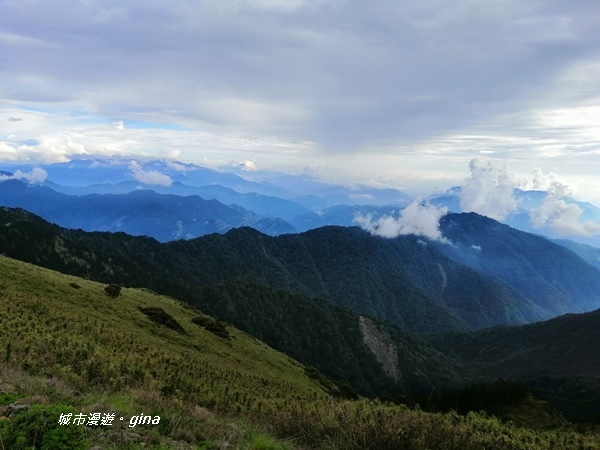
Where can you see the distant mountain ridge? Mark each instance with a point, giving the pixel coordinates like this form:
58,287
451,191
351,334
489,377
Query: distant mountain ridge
554,278
528,201
164,217
405,280
308,329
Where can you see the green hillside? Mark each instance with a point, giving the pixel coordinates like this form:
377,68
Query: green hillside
70,336
68,345
308,329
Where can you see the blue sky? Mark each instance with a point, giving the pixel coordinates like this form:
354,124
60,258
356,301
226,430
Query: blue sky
394,93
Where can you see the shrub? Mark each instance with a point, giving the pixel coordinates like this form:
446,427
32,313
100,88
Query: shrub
112,290
161,317
38,428
214,326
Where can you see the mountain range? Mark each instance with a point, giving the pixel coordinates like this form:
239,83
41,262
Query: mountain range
317,294
282,259
158,374
165,217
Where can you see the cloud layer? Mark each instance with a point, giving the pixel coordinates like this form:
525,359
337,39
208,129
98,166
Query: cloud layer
490,191
152,177
410,88
417,219
35,176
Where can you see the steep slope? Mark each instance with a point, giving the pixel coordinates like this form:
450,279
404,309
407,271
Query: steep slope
401,280
68,348
558,359
308,329
563,346
122,360
549,275
586,252
164,217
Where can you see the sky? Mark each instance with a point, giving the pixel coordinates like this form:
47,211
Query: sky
392,93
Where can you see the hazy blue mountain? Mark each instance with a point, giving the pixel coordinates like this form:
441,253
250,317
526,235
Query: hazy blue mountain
331,194
546,273
262,205
520,219
164,217
588,253
341,215
84,172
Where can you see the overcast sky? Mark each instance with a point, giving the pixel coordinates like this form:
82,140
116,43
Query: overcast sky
403,93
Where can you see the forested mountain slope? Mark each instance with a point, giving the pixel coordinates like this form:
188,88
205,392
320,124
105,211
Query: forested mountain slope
311,330
405,280
69,348
551,276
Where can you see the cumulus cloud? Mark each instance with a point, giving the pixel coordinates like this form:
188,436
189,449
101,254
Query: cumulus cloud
561,216
36,176
152,177
489,191
417,219
248,165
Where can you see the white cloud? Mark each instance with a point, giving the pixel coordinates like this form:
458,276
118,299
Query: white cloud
248,165
489,191
417,219
36,176
560,216
152,177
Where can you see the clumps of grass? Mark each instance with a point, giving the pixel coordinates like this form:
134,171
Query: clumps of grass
161,317
76,286
112,290
354,425
337,388
215,326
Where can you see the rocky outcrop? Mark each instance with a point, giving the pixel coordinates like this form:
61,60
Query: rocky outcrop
381,346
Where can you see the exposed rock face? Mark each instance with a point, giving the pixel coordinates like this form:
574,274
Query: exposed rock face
380,344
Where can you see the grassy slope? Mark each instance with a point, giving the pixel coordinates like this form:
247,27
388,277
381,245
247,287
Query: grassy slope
64,342
110,349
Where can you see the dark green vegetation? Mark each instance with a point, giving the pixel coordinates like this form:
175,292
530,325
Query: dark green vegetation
311,330
68,349
161,317
403,280
558,359
316,295
555,279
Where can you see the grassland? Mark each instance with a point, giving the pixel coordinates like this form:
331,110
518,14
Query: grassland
67,346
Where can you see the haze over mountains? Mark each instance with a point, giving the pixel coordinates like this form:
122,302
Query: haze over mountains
301,201
392,295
